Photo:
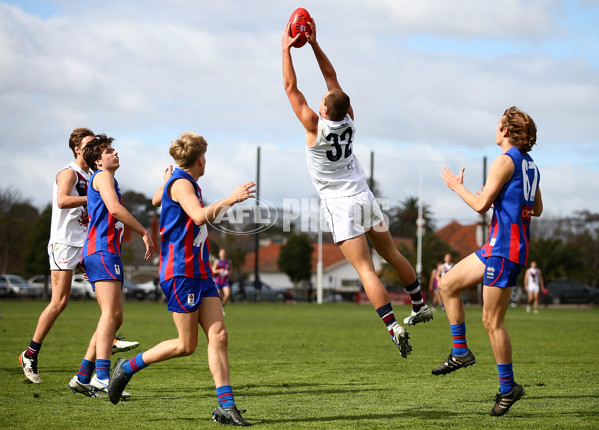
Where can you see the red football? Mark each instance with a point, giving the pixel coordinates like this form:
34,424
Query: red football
299,25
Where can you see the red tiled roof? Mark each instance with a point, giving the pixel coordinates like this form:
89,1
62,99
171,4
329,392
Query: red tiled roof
462,238
268,256
331,255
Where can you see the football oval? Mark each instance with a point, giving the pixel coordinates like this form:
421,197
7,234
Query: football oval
299,25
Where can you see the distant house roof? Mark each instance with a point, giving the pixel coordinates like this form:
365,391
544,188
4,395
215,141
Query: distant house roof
462,238
331,256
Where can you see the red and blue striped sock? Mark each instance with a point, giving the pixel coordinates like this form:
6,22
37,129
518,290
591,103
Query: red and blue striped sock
506,378
458,331
103,368
387,315
86,370
224,395
134,365
415,295
33,350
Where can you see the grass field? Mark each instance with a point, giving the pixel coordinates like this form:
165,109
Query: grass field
310,367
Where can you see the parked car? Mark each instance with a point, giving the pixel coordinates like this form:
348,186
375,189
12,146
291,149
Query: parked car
17,286
570,291
81,287
267,293
40,282
131,290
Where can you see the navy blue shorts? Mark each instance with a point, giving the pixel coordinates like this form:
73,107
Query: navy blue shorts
185,295
499,272
103,266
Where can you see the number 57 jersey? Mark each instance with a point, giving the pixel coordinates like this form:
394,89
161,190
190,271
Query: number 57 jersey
509,232
334,170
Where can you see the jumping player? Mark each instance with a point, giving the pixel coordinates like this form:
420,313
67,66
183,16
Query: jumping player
68,231
348,204
186,276
101,257
512,189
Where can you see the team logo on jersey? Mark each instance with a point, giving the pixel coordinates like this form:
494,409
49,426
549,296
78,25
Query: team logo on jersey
526,213
117,269
190,299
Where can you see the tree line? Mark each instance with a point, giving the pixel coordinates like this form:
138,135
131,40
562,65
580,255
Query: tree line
563,247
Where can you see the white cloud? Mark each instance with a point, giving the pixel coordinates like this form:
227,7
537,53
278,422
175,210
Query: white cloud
145,72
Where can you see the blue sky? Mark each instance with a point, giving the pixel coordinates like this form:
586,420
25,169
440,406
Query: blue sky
428,82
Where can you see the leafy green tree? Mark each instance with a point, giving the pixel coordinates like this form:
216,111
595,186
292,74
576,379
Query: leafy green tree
557,259
35,252
295,258
17,216
403,218
140,206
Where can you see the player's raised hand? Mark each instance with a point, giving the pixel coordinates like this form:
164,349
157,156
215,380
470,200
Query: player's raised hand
244,192
452,180
287,41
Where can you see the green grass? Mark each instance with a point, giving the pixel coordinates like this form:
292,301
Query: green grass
310,367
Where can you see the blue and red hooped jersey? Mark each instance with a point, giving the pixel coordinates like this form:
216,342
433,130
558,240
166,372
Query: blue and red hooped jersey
184,247
223,279
105,232
509,233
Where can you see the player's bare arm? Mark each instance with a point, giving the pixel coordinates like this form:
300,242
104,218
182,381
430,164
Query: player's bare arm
104,183
537,207
499,173
65,181
325,65
307,116
157,198
183,192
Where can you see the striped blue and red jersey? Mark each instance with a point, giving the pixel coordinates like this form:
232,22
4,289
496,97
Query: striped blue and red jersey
509,233
184,247
105,232
226,265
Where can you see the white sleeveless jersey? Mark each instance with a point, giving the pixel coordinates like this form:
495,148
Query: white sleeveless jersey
334,170
69,226
533,277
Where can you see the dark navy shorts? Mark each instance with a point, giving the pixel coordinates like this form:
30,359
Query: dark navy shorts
103,266
185,295
499,272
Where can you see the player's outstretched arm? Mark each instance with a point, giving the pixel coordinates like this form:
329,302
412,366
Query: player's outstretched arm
499,173
307,116
325,65
182,191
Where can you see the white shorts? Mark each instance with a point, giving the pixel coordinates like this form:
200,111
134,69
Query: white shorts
532,288
63,256
351,216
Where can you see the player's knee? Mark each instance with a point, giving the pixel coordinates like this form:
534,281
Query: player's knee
186,349
219,337
442,286
59,304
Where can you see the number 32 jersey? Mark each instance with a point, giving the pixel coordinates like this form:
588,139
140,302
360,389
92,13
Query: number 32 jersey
509,233
334,170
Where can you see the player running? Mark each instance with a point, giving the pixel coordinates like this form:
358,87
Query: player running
186,276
